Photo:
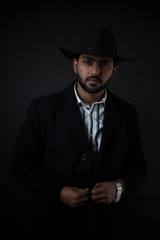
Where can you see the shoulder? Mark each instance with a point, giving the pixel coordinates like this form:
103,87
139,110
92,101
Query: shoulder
45,105
48,100
55,99
125,108
52,103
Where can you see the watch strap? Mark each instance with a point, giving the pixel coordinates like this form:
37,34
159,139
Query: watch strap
118,191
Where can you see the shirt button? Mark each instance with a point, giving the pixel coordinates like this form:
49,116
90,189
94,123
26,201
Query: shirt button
84,157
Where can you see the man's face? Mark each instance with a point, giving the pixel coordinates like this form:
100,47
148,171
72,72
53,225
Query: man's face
94,71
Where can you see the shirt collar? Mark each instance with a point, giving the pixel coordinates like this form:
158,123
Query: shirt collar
80,101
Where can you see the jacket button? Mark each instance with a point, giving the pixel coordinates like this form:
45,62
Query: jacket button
84,157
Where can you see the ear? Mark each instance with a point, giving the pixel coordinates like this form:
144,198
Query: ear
75,65
115,69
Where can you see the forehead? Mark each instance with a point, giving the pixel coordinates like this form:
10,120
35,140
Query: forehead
96,57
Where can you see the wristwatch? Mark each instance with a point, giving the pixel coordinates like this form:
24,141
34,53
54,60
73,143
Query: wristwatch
119,191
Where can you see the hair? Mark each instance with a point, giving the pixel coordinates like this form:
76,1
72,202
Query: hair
115,61
77,56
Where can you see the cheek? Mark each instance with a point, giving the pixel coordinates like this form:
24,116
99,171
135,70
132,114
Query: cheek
108,74
83,73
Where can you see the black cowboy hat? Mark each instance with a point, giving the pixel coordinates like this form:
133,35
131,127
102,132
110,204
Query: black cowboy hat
99,41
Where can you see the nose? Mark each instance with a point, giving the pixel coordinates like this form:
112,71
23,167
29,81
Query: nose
96,70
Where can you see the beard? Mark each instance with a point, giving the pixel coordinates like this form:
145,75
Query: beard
95,90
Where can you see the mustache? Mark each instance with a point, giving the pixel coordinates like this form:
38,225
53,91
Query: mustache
97,78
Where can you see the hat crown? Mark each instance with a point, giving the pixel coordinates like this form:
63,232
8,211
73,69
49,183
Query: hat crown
99,40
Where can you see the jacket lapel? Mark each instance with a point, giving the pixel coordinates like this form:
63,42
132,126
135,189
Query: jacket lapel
112,115
72,116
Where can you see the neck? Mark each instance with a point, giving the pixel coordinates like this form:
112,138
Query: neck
89,98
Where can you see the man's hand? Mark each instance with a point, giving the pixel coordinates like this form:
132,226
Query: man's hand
74,197
104,192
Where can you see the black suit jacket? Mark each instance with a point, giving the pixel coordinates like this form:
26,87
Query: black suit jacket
52,150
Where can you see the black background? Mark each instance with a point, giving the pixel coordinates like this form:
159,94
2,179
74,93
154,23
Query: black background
32,66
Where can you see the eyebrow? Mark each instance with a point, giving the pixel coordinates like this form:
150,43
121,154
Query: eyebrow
94,60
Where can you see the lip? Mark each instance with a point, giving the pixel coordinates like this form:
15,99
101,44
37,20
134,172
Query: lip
93,80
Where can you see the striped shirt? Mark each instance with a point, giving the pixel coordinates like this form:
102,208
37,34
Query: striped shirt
92,117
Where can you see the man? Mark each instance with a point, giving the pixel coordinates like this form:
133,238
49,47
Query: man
79,152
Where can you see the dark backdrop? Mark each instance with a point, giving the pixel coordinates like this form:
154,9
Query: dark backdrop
32,66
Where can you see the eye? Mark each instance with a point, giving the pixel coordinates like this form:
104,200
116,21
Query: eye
88,62
105,65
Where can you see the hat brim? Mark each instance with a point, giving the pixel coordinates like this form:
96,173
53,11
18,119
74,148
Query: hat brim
75,54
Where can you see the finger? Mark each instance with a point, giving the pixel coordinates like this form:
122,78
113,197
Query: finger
96,191
83,200
81,190
101,198
81,193
98,197
97,185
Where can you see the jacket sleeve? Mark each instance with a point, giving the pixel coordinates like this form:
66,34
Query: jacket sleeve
134,164
27,160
